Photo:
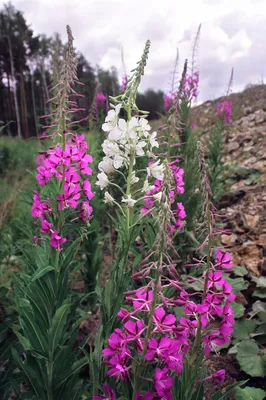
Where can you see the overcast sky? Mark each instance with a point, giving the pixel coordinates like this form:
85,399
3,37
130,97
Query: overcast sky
233,35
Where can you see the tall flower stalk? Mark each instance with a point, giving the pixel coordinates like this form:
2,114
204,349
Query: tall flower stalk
61,209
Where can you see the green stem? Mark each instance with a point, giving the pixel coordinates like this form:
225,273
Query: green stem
50,378
198,337
138,368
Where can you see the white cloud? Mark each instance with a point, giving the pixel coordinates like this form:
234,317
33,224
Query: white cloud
232,33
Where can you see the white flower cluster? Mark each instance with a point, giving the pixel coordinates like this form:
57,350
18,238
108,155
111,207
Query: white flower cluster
124,140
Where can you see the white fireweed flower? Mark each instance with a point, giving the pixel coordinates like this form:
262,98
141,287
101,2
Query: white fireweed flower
102,180
108,199
111,119
147,187
145,127
118,161
106,165
129,201
139,148
134,178
156,170
152,140
133,127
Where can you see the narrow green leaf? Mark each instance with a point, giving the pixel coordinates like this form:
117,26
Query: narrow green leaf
58,327
41,272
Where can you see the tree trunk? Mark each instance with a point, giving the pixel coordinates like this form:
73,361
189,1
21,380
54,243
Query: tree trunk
14,86
23,104
33,104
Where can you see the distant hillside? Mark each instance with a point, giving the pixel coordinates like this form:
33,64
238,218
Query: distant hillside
244,103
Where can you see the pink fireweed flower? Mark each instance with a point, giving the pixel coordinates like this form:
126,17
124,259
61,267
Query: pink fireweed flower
134,329
68,166
119,369
167,101
223,259
190,89
164,322
117,344
215,278
219,376
69,199
147,396
46,226
100,100
224,109
85,211
109,394
163,383
143,299
87,190
39,208
79,142
228,291
56,240
71,179
158,348
44,175
60,157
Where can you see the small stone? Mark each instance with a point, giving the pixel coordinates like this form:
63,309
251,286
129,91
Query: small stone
233,146
228,239
244,121
259,117
251,161
247,110
262,240
251,221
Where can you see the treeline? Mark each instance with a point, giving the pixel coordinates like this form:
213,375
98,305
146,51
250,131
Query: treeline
29,68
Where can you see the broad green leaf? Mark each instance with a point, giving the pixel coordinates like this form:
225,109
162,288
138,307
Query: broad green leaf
179,312
239,309
251,359
259,307
261,293
249,393
233,349
243,328
260,282
41,272
238,284
240,271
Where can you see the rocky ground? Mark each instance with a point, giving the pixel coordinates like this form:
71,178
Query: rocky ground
244,202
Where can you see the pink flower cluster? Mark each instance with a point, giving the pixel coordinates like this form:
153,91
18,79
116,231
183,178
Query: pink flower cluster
100,100
179,213
225,110
124,83
69,166
170,339
191,84
190,91
168,100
